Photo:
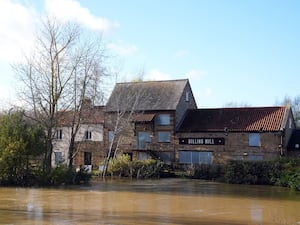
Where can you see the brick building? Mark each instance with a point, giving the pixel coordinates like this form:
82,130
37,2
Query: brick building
141,117
160,119
216,135
293,148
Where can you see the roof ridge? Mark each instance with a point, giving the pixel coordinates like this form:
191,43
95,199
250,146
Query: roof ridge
250,107
151,81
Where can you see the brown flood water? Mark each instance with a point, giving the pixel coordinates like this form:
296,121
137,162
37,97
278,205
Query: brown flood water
164,201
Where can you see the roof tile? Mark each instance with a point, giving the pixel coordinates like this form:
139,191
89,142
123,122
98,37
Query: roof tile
233,119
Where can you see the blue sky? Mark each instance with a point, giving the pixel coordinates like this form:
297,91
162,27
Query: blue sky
246,52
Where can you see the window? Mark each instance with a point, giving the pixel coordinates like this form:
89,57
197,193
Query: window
290,123
187,96
87,158
254,140
164,136
193,157
143,138
165,156
110,136
255,157
59,134
58,158
163,119
88,135
143,156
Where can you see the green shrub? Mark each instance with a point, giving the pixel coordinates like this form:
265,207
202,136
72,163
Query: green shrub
61,175
282,172
208,172
249,172
122,166
290,174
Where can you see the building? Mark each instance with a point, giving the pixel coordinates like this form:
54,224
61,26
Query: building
89,145
160,119
293,148
141,117
217,135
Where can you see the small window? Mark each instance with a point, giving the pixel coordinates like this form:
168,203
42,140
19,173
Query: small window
254,140
163,119
58,158
88,135
110,136
187,96
59,134
164,136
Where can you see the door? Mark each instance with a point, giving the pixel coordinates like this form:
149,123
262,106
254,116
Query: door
88,161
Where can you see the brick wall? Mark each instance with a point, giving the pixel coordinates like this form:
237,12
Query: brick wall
236,146
96,148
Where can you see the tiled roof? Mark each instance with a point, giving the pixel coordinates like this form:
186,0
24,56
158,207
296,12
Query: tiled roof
147,95
233,119
93,115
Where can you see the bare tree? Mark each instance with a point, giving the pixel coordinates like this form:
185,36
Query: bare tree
295,105
236,104
122,109
64,68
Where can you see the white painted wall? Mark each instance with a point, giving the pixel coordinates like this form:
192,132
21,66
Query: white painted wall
62,145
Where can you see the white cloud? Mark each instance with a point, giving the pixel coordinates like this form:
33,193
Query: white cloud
123,49
16,30
157,75
196,74
182,53
70,10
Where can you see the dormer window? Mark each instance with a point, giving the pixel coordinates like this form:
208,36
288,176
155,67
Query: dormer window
88,135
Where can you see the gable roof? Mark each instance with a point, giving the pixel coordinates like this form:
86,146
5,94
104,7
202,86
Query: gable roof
93,115
249,119
147,95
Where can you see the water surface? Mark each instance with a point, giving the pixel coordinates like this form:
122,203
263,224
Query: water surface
164,201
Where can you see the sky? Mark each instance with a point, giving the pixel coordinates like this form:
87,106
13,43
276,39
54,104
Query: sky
232,51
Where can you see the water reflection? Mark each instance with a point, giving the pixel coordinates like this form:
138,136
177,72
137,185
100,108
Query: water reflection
166,201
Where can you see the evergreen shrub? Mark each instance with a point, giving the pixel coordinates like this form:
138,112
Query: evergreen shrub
208,171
